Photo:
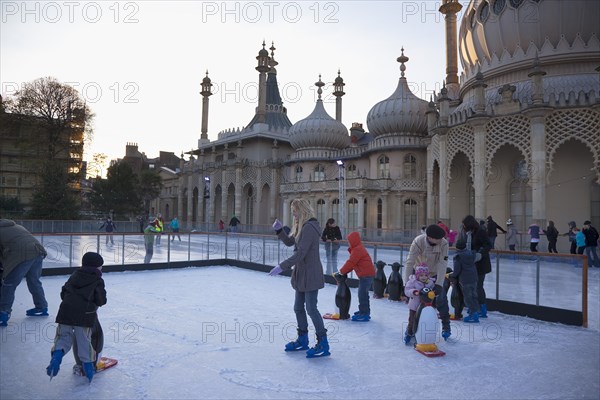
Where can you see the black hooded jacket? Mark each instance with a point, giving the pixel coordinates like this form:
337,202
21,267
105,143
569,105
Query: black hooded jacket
81,296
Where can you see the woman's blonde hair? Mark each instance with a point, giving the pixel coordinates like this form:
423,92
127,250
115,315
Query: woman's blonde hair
304,211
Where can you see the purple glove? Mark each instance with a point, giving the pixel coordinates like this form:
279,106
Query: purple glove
275,271
277,225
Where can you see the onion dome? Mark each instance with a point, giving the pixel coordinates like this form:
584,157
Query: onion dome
319,130
401,113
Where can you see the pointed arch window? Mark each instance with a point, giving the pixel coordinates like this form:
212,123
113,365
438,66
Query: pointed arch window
410,214
298,173
351,171
410,166
335,209
352,214
319,173
384,167
249,214
595,204
379,213
321,217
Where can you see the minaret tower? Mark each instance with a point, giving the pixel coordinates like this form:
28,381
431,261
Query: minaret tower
338,92
262,68
206,92
450,8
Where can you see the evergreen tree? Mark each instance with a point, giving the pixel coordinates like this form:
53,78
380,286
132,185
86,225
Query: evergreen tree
120,191
54,198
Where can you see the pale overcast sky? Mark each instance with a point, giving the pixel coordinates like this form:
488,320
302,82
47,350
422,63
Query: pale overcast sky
139,64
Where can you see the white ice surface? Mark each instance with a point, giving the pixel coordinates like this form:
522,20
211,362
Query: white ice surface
219,332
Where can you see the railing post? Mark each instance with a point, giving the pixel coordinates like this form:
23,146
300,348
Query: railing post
238,247
168,248
264,251
497,276
70,251
226,243
207,245
537,281
375,253
98,243
123,250
189,245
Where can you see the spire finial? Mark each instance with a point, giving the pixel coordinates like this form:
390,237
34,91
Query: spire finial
272,62
319,84
402,59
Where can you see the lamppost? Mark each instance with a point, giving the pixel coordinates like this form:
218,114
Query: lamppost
342,196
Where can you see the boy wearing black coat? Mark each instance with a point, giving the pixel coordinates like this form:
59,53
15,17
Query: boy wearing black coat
81,296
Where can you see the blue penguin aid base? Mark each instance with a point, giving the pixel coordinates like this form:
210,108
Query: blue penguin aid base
103,363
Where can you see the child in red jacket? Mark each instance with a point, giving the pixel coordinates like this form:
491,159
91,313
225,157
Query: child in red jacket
361,263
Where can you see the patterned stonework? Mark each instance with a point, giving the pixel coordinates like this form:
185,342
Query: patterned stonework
460,139
581,125
513,130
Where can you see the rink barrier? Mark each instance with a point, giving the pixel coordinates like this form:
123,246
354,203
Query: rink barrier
262,252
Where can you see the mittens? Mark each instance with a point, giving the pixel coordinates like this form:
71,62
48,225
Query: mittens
277,225
275,271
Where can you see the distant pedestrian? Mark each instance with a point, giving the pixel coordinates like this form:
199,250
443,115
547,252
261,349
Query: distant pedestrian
331,236
571,234
221,225
21,256
452,237
109,226
579,240
511,235
159,226
552,235
534,231
149,233
233,224
175,228
591,243
442,225
492,230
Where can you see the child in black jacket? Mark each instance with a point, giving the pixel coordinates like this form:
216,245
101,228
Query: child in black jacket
81,296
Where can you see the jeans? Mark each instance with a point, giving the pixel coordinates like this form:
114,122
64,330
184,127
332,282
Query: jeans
31,270
331,251
310,298
552,246
109,236
149,253
533,247
364,284
592,261
492,240
470,296
441,303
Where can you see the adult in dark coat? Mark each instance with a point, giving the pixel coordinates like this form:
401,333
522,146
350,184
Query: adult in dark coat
478,241
492,230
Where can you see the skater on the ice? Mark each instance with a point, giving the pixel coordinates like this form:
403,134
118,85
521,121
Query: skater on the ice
552,235
221,225
571,234
591,243
109,226
149,233
307,275
511,235
465,271
534,231
431,248
360,262
477,240
579,241
81,295
416,282
21,256
175,228
492,230
233,224
159,226
331,236
452,237
444,227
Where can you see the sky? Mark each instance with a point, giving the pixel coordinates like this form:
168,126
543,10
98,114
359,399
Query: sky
199,333
139,64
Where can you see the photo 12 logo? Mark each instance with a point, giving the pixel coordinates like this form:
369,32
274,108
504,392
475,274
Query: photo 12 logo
69,11
270,11
91,92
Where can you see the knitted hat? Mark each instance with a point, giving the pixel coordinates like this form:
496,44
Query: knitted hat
435,232
91,259
509,222
421,269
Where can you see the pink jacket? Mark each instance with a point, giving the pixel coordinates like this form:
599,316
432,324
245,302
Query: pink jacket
415,284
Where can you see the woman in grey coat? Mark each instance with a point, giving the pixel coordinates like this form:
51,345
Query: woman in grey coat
307,276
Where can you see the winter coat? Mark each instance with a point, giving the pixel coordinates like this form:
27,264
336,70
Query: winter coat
81,296
331,233
412,285
149,234
580,239
175,224
591,236
535,231
511,235
307,274
552,233
17,245
234,221
492,228
435,257
480,244
359,261
109,226
464,267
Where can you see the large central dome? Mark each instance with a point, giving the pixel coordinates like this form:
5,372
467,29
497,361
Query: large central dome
494,33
